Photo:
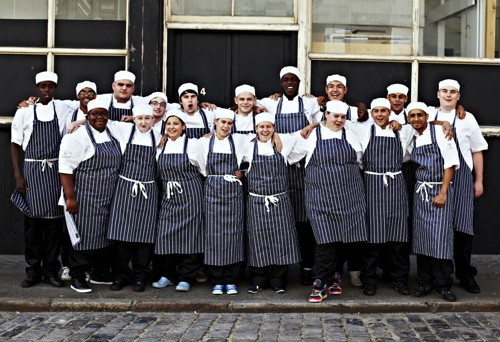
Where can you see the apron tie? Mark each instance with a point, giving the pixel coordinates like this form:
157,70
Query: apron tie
137,185
44,162
422,188
228,178
171,186
268,199
385,174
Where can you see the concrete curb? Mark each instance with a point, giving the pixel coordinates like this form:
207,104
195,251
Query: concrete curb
117,305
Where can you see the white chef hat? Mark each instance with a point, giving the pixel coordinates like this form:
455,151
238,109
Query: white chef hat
124,75
290,70
417,105
397,88
244,88
46,76
338,78
177,113
188,86
264,117
97,103
86,84
380,102
142,109
223,113
157,94
336,106
449,83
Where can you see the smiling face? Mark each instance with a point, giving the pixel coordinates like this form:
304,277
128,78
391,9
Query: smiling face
123,90
159,106
245,102
143,122
189,102
397,101
448,98
223,127
46,91
335,121
84,96
380,116
290,85
174,127
336,90
265,131
418,120
98,118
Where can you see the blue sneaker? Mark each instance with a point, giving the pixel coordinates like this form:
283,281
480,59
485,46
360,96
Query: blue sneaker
218,289
163,282
183,287
231,289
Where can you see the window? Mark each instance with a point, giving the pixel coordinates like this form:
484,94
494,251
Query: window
261,8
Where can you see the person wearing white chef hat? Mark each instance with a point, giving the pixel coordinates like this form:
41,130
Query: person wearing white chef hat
199,121
245,101
272,237
223,203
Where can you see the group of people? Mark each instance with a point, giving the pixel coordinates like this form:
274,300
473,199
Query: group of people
178,190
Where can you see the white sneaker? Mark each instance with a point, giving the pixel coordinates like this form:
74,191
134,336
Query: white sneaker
355,278
65,273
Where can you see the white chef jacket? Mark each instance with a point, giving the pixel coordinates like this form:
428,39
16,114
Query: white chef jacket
122,130
266,149
311,107
194,151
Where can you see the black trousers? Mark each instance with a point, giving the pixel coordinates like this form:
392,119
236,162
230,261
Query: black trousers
65,246
177,267
435,272
326,259
164,265
307,243
462,251
397,262
350,252
272,275
42,238
223,275
139,254
94,261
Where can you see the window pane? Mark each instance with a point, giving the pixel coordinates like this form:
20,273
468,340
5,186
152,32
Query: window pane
264,8
452,28
23,23
362,27
87,24
205,7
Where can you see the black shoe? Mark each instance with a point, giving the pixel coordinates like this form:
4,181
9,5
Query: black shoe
29,282
80,285
139,286
53,281
401,288
101,279
369,289
118,285
469,284
306,278
279,289
446,294
422,290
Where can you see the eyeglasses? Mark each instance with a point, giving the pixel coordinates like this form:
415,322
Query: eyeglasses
156,103
84,92
98,114
128,85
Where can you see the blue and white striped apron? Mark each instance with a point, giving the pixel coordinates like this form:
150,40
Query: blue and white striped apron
95,184
116,114
289,123
223,206
387,200
334,192
134,209
272,236
180,221
74,116
463,192
235,130
432,226
198,132
41,170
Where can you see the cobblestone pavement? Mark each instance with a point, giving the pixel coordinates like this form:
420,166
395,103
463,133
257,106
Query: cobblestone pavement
145,327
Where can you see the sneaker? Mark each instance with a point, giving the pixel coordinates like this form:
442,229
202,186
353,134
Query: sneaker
183,287
218,289
446,294
356,278
231,289
319,292
336,288
254,289
201,277
65,273
101,279
279,290
80,286
139,286
161,283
